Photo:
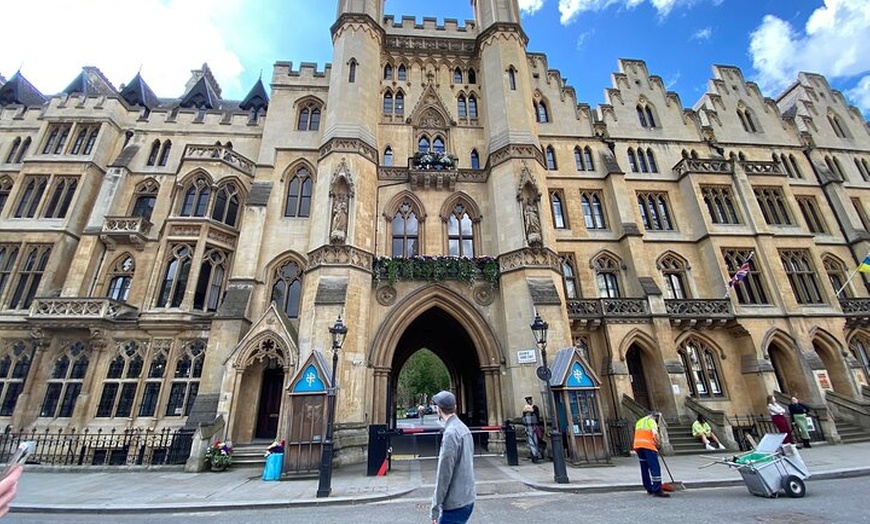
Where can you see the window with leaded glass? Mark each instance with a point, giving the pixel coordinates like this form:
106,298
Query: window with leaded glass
62,191
196,198
475,159
164,152
751,289
801,275
541,113
86,137
388,156
152,156
31,196
65,381
226,205
401,73
57,136
674,274
29,276
287,288
569,277
122,381
5,190
702,369
720,204
15,363
472,106
405,229
210,284
460,233
308,118
185,379
298,203
145,198
592,203
810,211
654,211
550,154
461,106
773,205
838,276
587,157
121,278
175,277
860,349
8,256
578,160
153,383
607,276
645,115
557,206
388,72
457,76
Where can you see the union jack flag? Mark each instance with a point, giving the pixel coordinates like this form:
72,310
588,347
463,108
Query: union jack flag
741,272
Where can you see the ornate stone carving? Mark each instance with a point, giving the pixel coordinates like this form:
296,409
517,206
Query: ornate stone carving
340,255
529,258
761,168
703,166
484,294
224,155
386,295
516,151
349,145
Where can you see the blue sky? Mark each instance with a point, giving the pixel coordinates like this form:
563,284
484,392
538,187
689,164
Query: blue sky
770,40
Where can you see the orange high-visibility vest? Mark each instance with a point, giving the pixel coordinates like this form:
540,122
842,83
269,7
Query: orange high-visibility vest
645,434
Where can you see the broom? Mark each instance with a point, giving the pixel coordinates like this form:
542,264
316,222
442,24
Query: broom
673,485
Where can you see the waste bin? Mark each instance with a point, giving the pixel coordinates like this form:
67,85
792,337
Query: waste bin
274,465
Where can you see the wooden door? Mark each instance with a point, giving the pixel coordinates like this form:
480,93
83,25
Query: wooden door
305,434
634,361
270,404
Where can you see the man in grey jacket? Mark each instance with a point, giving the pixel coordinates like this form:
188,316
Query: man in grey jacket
453,499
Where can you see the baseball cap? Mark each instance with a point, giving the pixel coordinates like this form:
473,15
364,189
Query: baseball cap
445,400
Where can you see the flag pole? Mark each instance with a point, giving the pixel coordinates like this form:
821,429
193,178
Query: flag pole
857,269
729,284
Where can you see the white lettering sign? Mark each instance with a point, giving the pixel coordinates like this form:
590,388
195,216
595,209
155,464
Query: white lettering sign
526,356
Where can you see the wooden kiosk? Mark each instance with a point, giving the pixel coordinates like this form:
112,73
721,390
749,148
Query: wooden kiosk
307,414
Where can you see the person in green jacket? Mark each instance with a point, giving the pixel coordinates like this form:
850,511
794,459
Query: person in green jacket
701,431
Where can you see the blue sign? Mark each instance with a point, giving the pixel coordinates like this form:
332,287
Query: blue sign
578,378
309,381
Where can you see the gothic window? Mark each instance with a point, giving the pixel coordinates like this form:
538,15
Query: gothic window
388,103
801,275
795,168
834,165
859,208
351,71
388,156
645,115
185,380
65,382
5,190
16,154
592,203
632,160
674,274
62,192
720,204
423,145
607,276
10,157
309,117
34,189
438,145
641,161
462,106
196,197
164,153
569,277
773,206
810,211
702,369
541,113
651,160
155,151
460,234
559,221
57,135
578,159
298,203
388,72
587,156
747,120
751,289
14,367
85,139
402,74
405,232
8,256
860,349
153,383
145,198
475,162
863,168
122,381
472,76
472,106
210,284
457,76
121,278
226,205
512,78
837,126
287,288
29,276
175,277
654,211
400,103
551,158
838,276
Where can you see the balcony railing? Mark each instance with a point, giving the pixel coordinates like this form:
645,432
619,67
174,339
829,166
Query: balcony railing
761,167
592,311
220,154
857,311
125,230
696,312
80,309
703,166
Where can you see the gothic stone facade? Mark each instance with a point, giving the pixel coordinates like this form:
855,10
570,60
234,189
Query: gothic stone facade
168,261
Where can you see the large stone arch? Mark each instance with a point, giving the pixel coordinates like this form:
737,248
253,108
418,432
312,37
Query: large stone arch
489,354
782,350
831,353
641,348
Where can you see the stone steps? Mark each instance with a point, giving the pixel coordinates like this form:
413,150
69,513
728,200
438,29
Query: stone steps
850,433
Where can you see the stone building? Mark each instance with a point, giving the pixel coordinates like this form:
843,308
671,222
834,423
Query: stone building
169,261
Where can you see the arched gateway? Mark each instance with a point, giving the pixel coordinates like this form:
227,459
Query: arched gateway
443,321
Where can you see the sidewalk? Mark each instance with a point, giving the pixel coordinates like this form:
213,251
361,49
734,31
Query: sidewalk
43,490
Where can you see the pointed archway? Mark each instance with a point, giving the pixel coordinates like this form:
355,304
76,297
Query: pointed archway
441,320
828,350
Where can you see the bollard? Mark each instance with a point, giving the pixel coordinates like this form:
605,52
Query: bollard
510,444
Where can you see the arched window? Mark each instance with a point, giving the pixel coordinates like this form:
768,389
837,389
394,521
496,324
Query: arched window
645,115
550,155
388,72
185,380
63,190
64,384
641,116
5,190
461,106
472,106
834,165
569,277
593,210
438,145
587,155
402,74
122,381
121,278
226,205
801,275
838,277
860,349
145,198
475,159
164,153
92,139
606,276
652,161
388,103
210,284
460,236
837,125
13,150
720,204
654,211
309,117
400,103
578,159
298,203
674,274
351,71
8,258
196,197
632,160
641,161
863,168
423,144
153,383
14,368
175,277
472,76
34,188
702,369
30,276
155,150
457,76
22,150
541,112
405,232
388,156
512,78
558,210
287,288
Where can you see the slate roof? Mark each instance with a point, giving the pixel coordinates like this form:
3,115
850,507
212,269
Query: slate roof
91,82
203,91
256,98
19,91
137,93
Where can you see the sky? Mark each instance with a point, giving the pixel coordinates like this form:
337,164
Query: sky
770,40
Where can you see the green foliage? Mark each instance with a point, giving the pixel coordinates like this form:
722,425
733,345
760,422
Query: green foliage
436,269
423,375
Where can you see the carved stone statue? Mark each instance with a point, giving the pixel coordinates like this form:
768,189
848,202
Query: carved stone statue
338,231
533,223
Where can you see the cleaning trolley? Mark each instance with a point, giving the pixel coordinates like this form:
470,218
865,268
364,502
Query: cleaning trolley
772,468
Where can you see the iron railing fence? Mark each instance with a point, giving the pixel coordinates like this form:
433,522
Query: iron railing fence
620,434
759,425
112,447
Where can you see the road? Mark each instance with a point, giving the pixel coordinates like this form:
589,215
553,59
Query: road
828,501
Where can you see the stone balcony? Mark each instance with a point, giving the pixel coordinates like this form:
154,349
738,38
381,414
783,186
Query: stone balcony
703,166
590,313
856,311
62,312
699,314
219,154
125,231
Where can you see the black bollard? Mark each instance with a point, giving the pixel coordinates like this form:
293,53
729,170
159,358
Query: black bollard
510,444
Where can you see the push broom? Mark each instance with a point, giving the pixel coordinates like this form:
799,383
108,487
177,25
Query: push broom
673,485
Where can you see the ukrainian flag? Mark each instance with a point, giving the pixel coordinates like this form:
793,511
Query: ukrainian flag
865,265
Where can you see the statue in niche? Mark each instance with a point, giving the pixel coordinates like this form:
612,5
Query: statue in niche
533,223
338,231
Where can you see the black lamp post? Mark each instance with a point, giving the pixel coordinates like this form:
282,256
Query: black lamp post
338,331
560,474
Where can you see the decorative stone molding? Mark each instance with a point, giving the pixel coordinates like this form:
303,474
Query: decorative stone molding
761,168
529,258
125,230
516,152
699,314
431,179
484,294
220,154
44,308
340,255
349,145
703,166
386,295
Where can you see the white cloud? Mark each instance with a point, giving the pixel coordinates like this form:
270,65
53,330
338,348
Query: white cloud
583,37
530,7
833,43
672,81
703,34
570,9
118,36
860,94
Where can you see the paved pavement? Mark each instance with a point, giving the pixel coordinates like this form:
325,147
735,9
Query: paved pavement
52,490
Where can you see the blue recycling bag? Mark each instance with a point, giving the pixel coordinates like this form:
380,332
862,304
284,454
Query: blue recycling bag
274,465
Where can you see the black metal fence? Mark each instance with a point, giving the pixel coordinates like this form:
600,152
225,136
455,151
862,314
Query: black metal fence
620,434
757,426
126,447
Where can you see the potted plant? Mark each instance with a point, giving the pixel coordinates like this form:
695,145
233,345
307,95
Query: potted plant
219,456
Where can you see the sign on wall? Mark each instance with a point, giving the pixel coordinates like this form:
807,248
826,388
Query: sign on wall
527,356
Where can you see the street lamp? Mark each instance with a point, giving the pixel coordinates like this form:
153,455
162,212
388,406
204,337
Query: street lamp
338,331
560,474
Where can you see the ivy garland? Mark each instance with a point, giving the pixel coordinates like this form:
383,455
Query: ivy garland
436,269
